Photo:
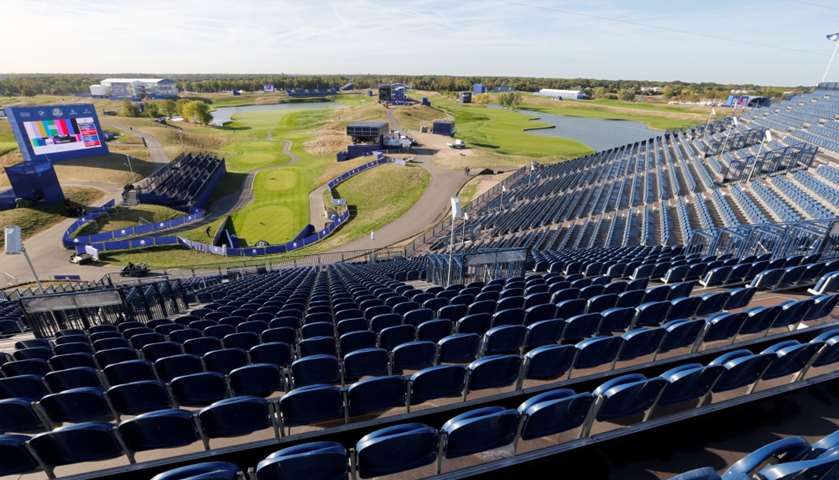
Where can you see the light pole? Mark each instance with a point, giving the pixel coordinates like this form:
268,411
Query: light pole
734,123
767,137
130,168
712,113
833,37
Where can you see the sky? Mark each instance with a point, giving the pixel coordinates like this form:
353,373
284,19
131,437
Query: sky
769,42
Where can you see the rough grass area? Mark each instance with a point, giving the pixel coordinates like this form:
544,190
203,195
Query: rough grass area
7,140
412,117
501,131
378,197
34,220
659,116
125,217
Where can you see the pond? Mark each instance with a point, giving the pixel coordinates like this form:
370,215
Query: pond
597,133
223,115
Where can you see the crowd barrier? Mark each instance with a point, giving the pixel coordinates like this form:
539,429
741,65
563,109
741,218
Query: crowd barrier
110,242
130,232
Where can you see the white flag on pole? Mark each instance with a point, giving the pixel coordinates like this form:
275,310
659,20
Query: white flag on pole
833,37
736,122
713,111
768,136
504,188
457,212
532,166
465,217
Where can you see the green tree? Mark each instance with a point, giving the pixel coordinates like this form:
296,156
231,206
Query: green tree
127,109
510,100
668,91
626,94
599,92
202,113
169,108
151,109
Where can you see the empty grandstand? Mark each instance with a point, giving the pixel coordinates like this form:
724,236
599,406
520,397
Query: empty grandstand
185,183
663,190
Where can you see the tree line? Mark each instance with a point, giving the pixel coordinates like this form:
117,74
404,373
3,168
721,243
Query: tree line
69,84
195,111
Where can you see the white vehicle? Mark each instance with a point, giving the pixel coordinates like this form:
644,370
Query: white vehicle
81,258
457,144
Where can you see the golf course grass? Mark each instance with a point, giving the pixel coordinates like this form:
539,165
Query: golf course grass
658,116
502,131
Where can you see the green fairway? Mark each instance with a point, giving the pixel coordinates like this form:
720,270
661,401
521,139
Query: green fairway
654,115
279,210
502,131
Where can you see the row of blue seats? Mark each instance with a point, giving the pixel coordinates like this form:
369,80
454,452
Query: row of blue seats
192,386
791,458
405,447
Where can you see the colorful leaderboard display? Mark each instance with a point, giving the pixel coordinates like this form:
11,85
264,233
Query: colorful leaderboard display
62,135
57,132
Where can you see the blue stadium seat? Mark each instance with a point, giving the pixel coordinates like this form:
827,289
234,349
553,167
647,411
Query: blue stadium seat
376,394
201,471
314,461
158,430
396,449
478,430
257,379
311,404
442,381
198,389
235,417
316,369
553,412
139,397
81,442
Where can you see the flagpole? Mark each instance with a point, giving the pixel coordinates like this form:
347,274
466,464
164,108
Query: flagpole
463,237
451,254
830,62
456,212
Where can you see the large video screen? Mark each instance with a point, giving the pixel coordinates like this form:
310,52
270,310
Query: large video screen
57,132
62,135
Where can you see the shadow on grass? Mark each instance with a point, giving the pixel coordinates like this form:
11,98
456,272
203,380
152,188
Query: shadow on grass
425,151
113,161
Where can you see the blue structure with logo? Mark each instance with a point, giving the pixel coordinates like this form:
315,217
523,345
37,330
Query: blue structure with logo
57,132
